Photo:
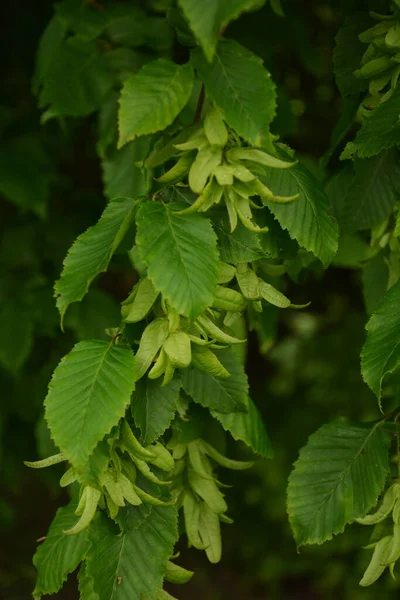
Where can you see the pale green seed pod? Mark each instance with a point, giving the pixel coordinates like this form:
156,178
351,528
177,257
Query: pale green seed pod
46,462
248,282
178,349
191,513
223,174
159,366
228,299
113,489
266,194
222,460
384,509
176,574
151,341
392,38
206,161
133,446
273,296
226,273
374,32
205,360
208,490
216,333
162,458
144,468
92,497
245,215
179,170
230,203
259,157
128,491
374,67
215,128
143,302
69,477
378,562
151,499
210,534
198,461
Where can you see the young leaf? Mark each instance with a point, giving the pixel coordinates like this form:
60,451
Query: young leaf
181,254
91,252
224,395
131,564
154,406
227,80
207,18
307,219
381,130
59,554
373,191
247,427
152,98
88,394
337,478
381,351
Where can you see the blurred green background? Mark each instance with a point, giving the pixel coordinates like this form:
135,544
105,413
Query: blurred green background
50,191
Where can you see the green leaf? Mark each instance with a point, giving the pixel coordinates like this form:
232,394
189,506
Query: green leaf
59,554
234,72
154,407
381,130
152,98
131,564
86,589
207,18
240,246
91,253
247,427
49,44
349,52
373,191
16,335
223,395
181,254
82,18
337,478
122,178
77,80
306,219
88,394
381,351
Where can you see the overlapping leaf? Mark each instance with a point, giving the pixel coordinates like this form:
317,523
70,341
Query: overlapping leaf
381,351
59,554
154,406
240,246
131,564
247,427
181,254
306,219
121,176
91,252
152,98
88,394
241,87
223,395
207,18
338,477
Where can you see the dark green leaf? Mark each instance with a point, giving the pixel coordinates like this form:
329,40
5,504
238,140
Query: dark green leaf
348,53
338,478
240,246
122,177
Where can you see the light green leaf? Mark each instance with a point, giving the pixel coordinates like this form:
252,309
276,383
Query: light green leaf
223,395
381,351
373,191
152,98
247,427
122,178
241,87
88,394
381,130
59,554
181,254
86,589
131,564
207,18
337,478
91,252
77,80
153,407
306,219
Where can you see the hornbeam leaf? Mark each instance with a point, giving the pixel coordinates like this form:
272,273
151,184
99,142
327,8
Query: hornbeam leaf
88,394
206,18
154,406
152,98
86,589
227,80
130,565
91,252
337,478
224,395
60,553
306,219
181,254
247,427
381,351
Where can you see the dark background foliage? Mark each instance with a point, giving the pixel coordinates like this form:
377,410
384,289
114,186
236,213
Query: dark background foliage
51,190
